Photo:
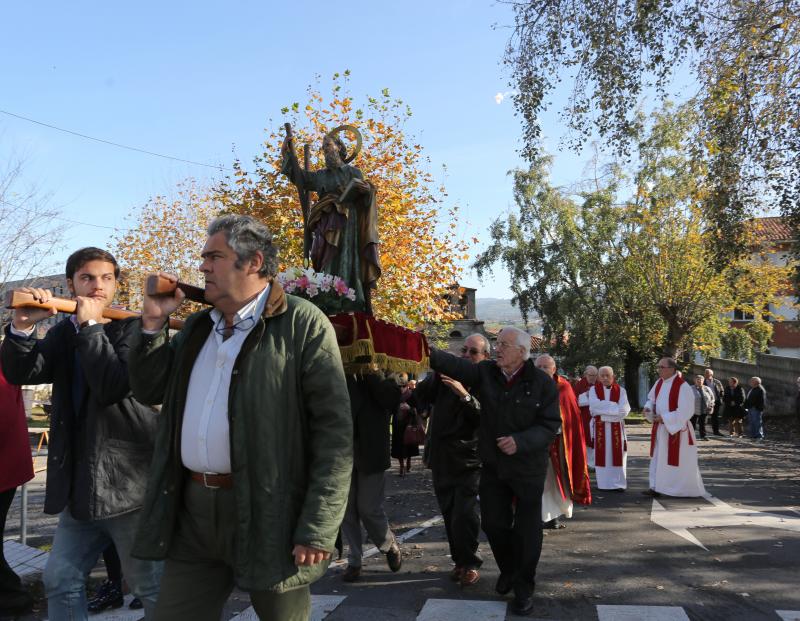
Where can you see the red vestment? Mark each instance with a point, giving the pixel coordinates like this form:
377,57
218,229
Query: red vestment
581,387
618,443
571,445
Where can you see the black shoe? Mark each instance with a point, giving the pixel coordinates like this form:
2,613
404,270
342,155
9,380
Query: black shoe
521,606
553,524
504,584
352,574
651,492
109,595
136,604
394,558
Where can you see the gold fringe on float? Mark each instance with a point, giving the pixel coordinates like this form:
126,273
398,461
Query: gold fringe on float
360,357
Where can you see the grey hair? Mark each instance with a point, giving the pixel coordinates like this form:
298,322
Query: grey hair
523,340
487,346
610,370
758,379
246,236
590,367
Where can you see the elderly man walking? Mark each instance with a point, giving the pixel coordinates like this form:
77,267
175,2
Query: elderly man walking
673,447
519,419
582,388
454,461
608,402
719,392
254,448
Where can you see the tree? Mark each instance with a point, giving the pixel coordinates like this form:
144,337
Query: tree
626,279
420,251
31,229
167,236
743,54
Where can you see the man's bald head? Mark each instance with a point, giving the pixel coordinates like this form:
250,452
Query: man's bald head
546,363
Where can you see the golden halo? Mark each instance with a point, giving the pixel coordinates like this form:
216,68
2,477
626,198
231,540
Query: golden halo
351,130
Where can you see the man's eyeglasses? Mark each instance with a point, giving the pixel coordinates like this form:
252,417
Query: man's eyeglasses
472,350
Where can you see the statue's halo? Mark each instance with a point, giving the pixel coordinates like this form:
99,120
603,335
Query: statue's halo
351,130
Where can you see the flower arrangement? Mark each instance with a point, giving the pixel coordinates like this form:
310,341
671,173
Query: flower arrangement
325,291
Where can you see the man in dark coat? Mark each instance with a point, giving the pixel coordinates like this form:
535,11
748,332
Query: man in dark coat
372,400
254,447
754,403
454,461
101,438
518,422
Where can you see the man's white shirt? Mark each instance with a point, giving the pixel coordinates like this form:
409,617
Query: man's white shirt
205,435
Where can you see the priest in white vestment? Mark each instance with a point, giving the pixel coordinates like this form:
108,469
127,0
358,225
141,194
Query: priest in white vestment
608,405
673,447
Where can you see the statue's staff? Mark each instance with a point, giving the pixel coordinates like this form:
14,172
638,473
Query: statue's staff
22,299
305,198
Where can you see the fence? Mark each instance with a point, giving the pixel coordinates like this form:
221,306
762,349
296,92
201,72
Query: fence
778,376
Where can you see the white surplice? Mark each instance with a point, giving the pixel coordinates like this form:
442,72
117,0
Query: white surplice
583,401
684,479
553,504
605,413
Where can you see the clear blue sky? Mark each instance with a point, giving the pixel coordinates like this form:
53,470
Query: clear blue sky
192,79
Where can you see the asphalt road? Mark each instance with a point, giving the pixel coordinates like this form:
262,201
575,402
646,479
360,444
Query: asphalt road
735,555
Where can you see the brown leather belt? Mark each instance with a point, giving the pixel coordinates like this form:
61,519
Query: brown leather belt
212,481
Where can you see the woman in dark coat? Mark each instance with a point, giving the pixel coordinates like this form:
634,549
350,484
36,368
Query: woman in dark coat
734,406
16,468
405,414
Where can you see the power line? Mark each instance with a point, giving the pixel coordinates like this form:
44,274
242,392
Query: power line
54,217
115,144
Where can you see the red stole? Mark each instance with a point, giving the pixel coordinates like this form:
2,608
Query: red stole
674,441
570,445
618,445
581,387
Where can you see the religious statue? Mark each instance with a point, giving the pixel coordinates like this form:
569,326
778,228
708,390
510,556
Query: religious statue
342,225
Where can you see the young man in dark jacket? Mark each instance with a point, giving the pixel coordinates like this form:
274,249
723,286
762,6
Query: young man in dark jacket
254,449
454,460
101,438
518,421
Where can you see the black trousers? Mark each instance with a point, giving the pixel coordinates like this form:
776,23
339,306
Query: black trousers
715,419
699,424
514,528
458,501
13,596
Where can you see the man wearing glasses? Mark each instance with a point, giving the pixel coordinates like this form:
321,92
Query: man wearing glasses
519,419
454,459
673,447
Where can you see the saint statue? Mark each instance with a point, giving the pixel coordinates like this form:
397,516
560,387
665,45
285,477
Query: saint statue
343,222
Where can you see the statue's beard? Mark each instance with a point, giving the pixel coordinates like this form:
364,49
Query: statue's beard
332,160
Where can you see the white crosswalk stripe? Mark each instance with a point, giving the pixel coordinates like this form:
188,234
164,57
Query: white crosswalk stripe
321,607
461,610
788,615
120,614
641,613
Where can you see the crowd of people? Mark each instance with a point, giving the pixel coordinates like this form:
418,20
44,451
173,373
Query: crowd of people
237,452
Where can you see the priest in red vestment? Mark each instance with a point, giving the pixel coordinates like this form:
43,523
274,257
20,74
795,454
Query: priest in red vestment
589,380
567,474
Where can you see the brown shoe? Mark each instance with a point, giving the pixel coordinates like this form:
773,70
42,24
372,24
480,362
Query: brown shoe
394,558
351,574
469,577
455,573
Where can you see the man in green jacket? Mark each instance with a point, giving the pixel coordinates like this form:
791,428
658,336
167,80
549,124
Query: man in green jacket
253,454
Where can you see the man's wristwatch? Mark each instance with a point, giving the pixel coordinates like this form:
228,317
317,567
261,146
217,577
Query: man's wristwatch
87,323
466,398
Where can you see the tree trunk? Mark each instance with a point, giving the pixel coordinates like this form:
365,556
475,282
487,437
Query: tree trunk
672,340
633,360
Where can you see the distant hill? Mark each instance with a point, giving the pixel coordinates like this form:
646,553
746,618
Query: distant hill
500,311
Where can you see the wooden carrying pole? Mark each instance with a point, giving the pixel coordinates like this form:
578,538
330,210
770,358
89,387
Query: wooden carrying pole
157,285
21,299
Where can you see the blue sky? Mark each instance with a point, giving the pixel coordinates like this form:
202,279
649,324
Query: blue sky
193,79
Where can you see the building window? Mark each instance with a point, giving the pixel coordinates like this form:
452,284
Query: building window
740,315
